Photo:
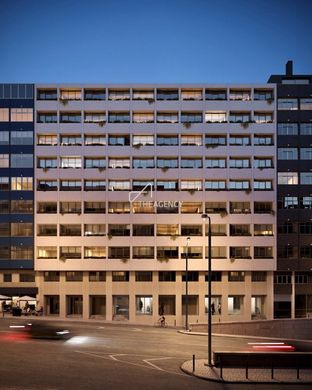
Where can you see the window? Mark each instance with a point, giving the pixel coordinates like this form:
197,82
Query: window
306,178
215,162
94,140
119,162
73,276
305,104
94,252
143,276
47,252
71,140
217,229
142,117
4,206
215,94
143,163
94,185
167,276
191,140
70,185
119,252
240,140
142,140
46,117
47,208
95,117
142,252
22,252
287,104
191,117
239,230
144,305
263,94
306,153
138,94
295,81
306,202
167,230
21,183
70,207
237,162
97,276
94,229
263,230
191,94
236,276
70,252
94,94
167,252
4,115
215,117
118,117
22,229
27,278
47,230
46,162
70,117
21,115
4,183
119,185
120,276
4,252
286,228
240,252
192,276
118,207
167,140
240,94
4,161
263,162
143,230
4,137
306,228
167,94
306,128
306,252
289,202
167,185
215,140
282,279
119,230
287,128
240,207
191,162
119,140
51,276
5,229
263,117
70,230
118,94
235,304
21,137
287,178
239,117
239,185
94,162
70,94
94,207
191,230
263,139
215,185
46,94
258,276
263,252
22,160
191,208
263,185
287,153
142,208
215,207
166,163
167,117
47,139
217,252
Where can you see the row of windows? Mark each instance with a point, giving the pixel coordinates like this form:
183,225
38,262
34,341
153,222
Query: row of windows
17,183
294,103
292,178
293,128
295,228
161,185
173,230
149,94
92,207
292,252
293,153
16,91
16,137
148,252
186,117
210,140
137,162
22,160
17,115
294,202
21,206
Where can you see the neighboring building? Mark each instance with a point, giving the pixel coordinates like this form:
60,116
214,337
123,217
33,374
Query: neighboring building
17,277
293,279
103,249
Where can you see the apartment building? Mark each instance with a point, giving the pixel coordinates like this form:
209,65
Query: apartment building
123,174
17,277
293,279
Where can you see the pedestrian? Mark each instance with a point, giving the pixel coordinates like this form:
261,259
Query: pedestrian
212,308
219,308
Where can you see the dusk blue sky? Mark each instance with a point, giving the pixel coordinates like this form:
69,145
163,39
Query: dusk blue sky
153,41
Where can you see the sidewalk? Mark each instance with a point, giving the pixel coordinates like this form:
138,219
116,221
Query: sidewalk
237,375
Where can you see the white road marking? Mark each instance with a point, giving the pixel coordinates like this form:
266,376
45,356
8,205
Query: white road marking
148,361
136,330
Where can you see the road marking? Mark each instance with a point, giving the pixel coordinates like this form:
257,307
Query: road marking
117,354
136,330
148,361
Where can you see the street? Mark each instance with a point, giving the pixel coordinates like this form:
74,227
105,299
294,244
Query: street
108,356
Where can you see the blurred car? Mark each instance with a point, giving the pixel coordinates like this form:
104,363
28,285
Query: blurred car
41,330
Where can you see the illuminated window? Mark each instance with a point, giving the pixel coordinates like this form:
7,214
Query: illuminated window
21,183
22,115
4,115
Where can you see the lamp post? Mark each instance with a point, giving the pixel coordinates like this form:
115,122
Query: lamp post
186,284
207,217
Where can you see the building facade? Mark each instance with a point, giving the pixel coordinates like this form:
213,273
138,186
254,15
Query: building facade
17,277
293,279
122,177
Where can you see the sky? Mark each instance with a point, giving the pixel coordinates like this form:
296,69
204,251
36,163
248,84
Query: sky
153,41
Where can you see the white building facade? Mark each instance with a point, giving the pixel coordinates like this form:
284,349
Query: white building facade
123,174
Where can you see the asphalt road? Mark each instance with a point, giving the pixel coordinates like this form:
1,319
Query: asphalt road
108,356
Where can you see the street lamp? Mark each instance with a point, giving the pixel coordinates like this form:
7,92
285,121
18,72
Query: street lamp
186,284
206,217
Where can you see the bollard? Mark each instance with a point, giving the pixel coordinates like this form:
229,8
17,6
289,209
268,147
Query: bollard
193,363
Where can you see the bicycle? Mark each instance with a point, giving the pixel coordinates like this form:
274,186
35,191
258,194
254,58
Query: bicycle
161,323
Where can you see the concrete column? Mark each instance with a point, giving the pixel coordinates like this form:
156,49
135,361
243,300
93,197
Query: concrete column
109,297
293,294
